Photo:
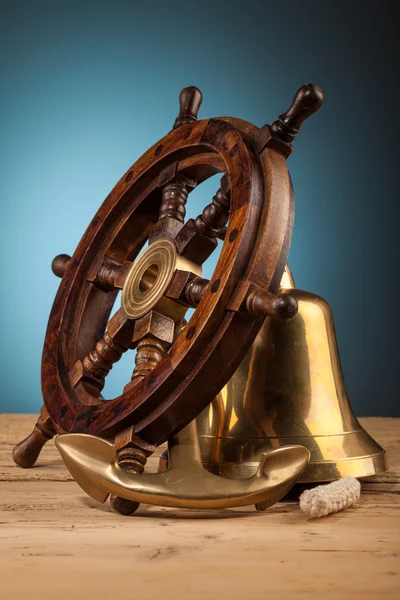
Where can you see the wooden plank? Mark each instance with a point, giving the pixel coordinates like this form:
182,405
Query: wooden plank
55,542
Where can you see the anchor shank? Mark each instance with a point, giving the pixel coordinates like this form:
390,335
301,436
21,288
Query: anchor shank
184,447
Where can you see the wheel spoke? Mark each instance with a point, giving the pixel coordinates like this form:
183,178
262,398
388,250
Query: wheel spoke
175,191
110,275
198,237
94,368
153,333
257,302
189,103
222,233
59,264
187,288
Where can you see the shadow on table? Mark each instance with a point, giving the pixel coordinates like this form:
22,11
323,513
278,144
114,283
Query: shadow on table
160,512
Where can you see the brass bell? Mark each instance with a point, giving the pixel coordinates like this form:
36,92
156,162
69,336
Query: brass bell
289,389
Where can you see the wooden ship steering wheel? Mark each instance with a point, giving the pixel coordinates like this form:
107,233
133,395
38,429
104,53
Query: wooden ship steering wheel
179,367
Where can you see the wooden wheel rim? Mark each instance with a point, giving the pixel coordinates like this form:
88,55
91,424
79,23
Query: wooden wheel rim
217,336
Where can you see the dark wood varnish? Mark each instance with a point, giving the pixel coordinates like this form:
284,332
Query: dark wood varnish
59,264
189,103
252,212
281,134
26,453
107,351
173,206
278,306
198,238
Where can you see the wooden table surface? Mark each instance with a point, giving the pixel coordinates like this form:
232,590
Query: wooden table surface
56,543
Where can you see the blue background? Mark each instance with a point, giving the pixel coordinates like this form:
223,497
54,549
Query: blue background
87,87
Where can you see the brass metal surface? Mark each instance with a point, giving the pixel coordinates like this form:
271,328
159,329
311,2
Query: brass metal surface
289,389
186,484
149,278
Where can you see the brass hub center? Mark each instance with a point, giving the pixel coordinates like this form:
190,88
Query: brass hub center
149,278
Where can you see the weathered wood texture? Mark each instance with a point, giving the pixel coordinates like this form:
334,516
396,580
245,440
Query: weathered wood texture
257,197
252,212
56,543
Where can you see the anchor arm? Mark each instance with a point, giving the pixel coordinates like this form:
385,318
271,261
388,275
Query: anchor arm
186,484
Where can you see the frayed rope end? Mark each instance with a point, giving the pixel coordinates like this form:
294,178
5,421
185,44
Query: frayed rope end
325,499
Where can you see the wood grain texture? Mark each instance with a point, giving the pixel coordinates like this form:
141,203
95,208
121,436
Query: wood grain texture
216,339
252,213
58,543
26,453
189,103
198,238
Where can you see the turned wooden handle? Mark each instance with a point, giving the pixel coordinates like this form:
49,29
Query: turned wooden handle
189,103
59,264
307,101
26,453
282,307
132,453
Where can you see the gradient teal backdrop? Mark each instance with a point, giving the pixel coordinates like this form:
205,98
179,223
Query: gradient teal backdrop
87,87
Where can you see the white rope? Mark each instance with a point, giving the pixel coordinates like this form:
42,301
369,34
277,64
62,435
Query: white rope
325,499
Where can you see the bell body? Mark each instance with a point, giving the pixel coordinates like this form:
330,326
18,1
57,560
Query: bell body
289,389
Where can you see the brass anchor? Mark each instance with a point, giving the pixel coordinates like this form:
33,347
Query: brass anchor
93,464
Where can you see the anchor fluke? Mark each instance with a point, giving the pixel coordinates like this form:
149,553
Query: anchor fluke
186,483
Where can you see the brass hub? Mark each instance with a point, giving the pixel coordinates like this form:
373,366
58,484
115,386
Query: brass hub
150,277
